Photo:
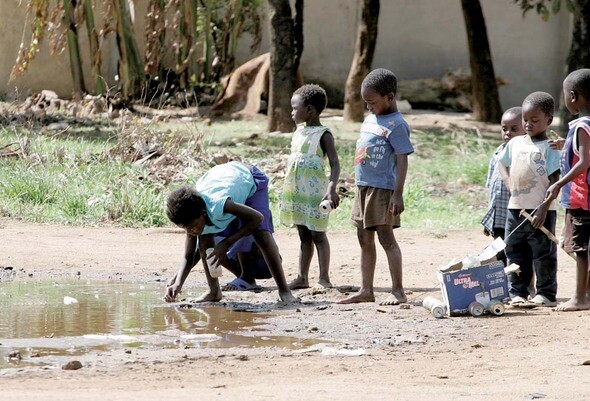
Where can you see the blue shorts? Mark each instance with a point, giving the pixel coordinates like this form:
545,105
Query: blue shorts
247,245
258,201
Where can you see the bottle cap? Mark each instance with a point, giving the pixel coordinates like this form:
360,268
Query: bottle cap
325,206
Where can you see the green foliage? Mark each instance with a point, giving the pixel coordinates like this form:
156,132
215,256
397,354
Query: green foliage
75,179
29,187
69,184
545,7
202,36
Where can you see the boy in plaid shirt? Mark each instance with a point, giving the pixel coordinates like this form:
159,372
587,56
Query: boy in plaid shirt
494,221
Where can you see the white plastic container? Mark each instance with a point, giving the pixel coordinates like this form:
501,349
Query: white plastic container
437,308
325,207
215,269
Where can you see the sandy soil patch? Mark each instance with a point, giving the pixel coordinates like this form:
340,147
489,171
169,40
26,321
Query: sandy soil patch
407,354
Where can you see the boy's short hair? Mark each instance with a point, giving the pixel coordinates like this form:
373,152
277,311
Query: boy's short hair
382,81
513,111
541,100
184,205
579,82
314,95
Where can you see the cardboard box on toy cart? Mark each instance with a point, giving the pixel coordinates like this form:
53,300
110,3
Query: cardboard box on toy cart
483,284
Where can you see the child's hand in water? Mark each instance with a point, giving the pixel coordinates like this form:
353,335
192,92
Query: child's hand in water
172,292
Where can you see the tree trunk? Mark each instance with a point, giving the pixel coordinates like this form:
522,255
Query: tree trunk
298,29
579,52
207,41
74,49
95,56
283,72
234,34
486,101
186,64
155,41
131,75
366,39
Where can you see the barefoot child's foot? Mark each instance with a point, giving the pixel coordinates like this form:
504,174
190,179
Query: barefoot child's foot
325,283
299,283
288,298
209,296
361,296
396,298
573,305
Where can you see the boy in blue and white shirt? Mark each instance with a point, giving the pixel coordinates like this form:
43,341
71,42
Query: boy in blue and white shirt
381,164
529,167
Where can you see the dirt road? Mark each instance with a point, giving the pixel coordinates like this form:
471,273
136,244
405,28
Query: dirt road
404,353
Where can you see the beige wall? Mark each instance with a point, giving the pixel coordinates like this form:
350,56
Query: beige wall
423,38
47,71
417,39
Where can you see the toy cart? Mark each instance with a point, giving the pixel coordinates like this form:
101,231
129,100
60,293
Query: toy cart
475,290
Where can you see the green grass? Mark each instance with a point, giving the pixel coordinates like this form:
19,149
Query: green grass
81,177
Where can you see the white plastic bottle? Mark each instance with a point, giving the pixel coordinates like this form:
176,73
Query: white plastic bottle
436,307
215,269
325,207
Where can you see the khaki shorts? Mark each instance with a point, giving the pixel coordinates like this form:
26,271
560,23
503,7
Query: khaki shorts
370,208
576,231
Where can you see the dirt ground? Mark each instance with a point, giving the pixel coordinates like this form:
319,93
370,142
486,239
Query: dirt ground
407,354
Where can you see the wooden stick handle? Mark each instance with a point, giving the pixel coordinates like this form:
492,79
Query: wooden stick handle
548,233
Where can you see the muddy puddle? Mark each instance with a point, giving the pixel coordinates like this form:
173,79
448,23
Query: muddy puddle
48,322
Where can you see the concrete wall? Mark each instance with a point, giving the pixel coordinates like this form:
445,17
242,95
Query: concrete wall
417,39
45,72
51,71
424,38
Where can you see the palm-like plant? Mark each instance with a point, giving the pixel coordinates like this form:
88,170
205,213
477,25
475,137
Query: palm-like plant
200,35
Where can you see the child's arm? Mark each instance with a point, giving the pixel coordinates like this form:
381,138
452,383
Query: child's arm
541,213
556,142
580,167
174,287
397,206
505,173
327,144
251,219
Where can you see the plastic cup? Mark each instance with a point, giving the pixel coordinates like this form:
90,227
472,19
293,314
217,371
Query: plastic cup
215,269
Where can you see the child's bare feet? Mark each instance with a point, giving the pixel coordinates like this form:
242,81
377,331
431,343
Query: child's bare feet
361,296
573,305
210,296
325,283
397,297
299,283
288,298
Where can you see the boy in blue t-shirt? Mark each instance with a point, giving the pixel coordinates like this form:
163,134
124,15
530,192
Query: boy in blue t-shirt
230,201
381,164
